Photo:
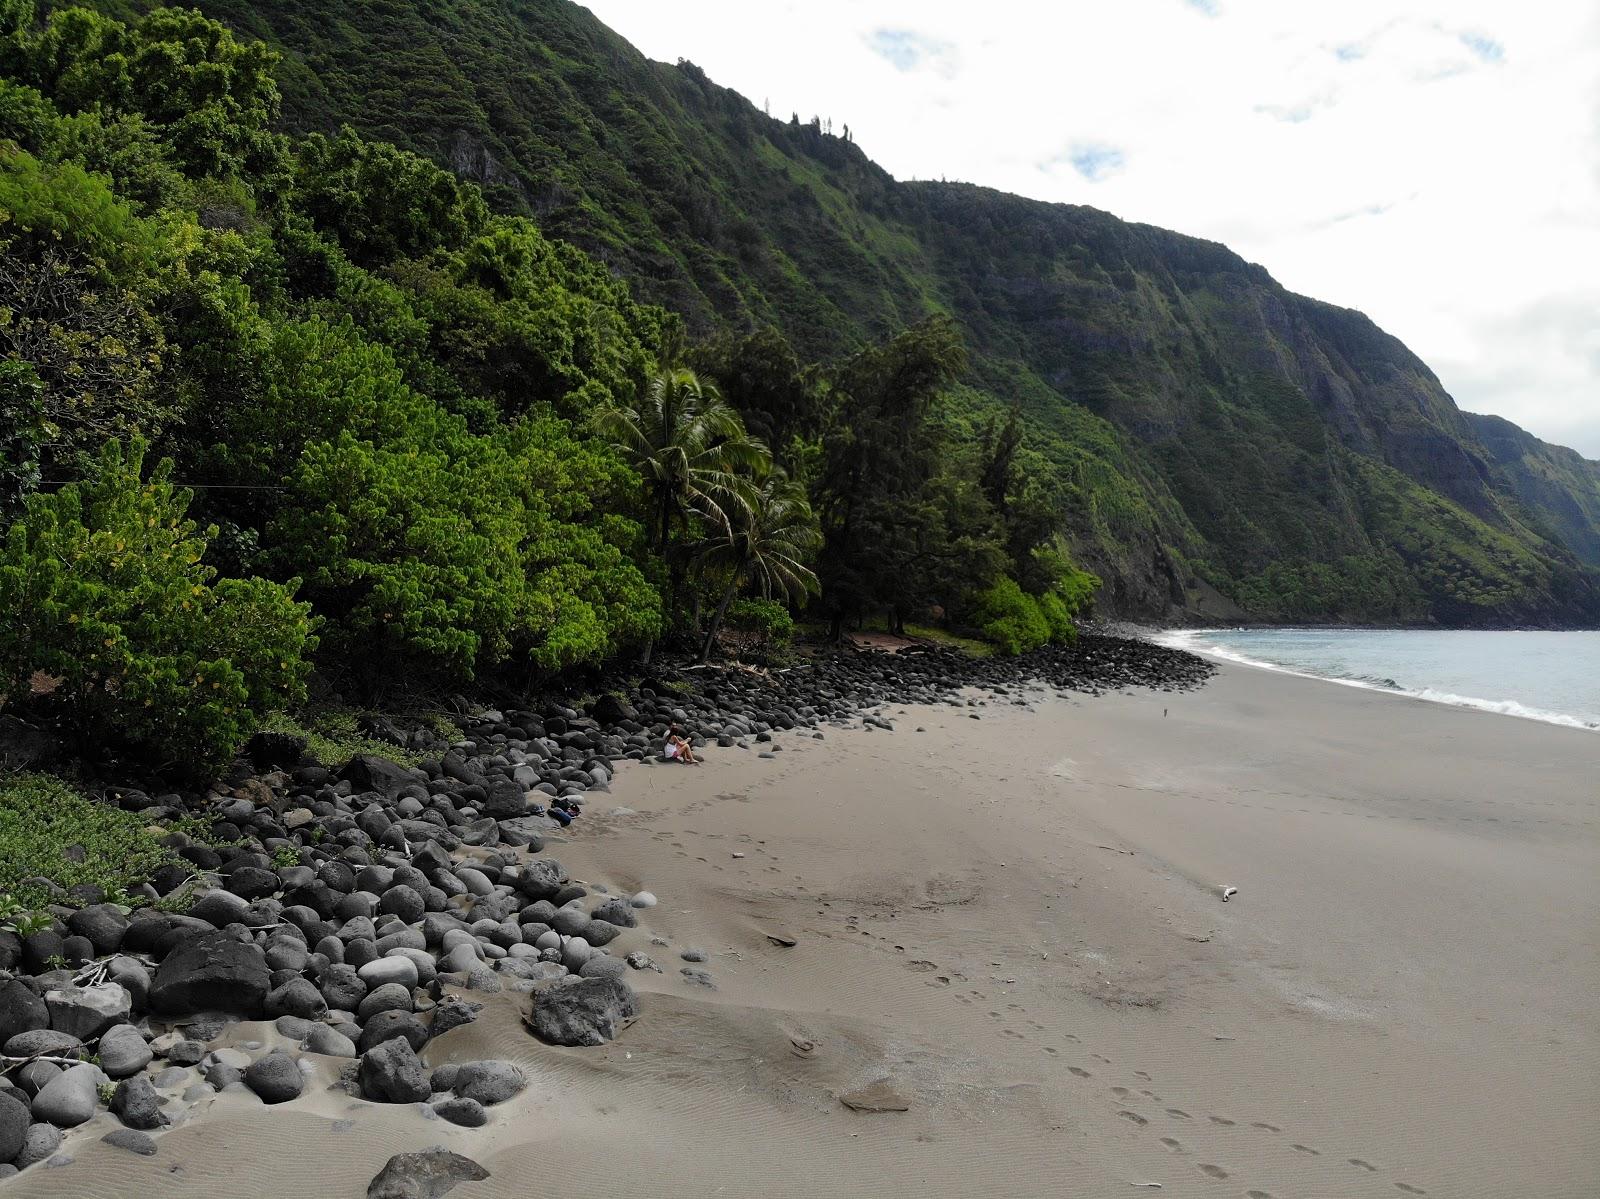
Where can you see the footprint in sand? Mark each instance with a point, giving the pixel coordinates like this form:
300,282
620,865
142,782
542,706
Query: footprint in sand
1222,1120
1258,1195
1172,1143
1079,1072
1368,1166
1051,1050
1307,1149
1211,1171
1409,1189
1134,1116
1177,1113
1141,1074
1098,1058
1121,1092
1268,1127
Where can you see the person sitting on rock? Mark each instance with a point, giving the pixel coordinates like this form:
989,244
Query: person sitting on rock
678,748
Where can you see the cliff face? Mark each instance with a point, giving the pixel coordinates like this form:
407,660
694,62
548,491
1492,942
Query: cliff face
1224,441
1560,486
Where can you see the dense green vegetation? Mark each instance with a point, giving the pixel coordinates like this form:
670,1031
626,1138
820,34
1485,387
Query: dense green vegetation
48,830
1208,439
279,403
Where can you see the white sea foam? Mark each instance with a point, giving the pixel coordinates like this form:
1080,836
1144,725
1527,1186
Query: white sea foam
1196,641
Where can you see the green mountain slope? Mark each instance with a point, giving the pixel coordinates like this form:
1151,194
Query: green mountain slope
1560,485
1227,446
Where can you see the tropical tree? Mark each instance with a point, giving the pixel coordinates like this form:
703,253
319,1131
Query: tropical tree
766,545
688,446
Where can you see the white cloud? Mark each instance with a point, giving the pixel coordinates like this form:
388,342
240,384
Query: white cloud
1434,163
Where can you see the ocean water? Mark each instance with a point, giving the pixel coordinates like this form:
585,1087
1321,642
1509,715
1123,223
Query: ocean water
1537,675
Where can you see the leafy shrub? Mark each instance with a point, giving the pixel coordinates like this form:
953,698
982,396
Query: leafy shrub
110,601
454,547
1056,617
333,736
1010,617
768,619
43,823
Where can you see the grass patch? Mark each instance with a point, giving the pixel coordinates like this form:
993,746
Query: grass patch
970,646
49,830
333,736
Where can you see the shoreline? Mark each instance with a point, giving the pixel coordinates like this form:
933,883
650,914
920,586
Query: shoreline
1010,927
1188,640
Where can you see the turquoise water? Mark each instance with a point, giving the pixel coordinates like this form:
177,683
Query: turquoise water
1538,675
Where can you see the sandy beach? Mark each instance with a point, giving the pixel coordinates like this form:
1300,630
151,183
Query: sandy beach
1012,927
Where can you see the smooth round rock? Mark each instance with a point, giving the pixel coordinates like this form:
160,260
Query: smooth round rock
275,1077
124,1051
395,969
468,1113
132,1140
69,1099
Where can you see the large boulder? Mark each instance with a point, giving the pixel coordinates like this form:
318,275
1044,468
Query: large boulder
391,1073
212,973
368,772
506,800
612,709
86,1012
124,1051
14,1121
20,1010
426,1175
136,1103
275,751
489,1082
275,1077
616,911
69,1098
540,878
590,1011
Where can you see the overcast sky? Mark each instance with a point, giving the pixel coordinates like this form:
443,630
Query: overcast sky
1434,163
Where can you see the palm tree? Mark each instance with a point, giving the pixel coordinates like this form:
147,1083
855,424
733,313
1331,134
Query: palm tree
688,444
765,545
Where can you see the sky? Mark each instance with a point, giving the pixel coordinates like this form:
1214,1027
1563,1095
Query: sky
1434,163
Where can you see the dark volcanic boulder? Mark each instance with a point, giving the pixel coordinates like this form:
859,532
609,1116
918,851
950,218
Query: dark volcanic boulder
616,911
588,1012
275,751
610,709
213,972
275,1077
14,1121
505,800
136,1103
427,1175
367,772
540,878
20,1011
391,1073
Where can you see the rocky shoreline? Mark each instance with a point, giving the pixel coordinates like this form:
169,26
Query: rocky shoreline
368,910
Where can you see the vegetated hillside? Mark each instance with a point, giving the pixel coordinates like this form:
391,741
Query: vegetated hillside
1228,446
1560,485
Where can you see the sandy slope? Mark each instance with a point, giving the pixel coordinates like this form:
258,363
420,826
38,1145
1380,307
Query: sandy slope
1015,922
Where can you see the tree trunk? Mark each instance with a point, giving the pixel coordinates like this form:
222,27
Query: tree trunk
716,618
